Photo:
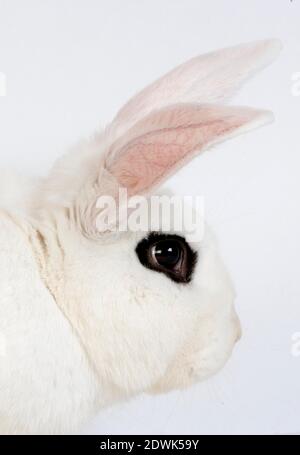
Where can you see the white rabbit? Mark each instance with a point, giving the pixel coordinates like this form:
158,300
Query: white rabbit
88,318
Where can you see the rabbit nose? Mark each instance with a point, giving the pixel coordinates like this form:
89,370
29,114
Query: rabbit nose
237,325
238,329
239,332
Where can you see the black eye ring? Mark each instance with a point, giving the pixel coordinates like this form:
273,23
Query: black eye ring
169,254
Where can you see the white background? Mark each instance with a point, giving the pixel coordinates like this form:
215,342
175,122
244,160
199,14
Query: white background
70,65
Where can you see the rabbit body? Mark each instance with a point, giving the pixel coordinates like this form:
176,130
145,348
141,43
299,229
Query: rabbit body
42,364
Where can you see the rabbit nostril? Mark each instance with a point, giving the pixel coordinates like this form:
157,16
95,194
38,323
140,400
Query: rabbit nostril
238,333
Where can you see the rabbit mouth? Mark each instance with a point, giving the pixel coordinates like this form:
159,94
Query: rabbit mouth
192,366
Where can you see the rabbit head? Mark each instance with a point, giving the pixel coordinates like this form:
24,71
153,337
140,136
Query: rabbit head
152,310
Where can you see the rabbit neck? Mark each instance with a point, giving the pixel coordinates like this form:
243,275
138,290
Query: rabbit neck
52,239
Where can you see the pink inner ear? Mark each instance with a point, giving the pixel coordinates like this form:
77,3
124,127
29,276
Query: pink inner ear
167,139
145,161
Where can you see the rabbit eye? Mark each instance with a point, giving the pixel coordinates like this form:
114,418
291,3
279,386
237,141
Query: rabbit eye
168,254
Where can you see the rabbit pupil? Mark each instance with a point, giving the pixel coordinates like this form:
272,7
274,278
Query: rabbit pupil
169,254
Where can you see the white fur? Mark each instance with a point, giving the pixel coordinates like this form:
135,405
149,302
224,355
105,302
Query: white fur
82,323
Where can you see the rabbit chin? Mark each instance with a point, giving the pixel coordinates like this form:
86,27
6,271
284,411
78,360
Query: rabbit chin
214,341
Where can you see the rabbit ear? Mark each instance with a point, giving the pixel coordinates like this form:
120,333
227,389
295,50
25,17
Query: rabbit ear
165,140
208,78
